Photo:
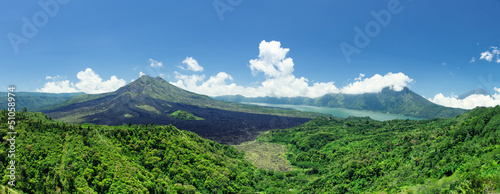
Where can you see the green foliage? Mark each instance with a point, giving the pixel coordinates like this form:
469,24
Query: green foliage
34,101
147,108
266,155
460,154
8,190
328,155
184,115
73,158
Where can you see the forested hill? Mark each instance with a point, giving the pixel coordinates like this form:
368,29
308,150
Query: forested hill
405,102
354,155
56,157
329,155
35,101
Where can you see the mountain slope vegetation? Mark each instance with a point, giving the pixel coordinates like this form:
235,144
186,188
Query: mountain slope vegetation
404,102
72,158
184,115
35,101
328,155
460,154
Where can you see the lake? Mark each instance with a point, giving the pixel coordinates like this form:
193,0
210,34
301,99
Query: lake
339,112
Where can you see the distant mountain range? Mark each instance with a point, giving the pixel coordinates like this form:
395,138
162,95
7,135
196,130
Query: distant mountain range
405,102
36,101
150,100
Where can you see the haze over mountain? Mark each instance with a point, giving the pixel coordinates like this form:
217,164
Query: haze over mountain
154,100
405,102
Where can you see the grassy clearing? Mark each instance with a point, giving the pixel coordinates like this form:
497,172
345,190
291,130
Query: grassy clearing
148,108
184,115
266,155
7,190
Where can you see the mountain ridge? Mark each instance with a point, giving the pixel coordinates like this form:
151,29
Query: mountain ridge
405,102
152,100
35,101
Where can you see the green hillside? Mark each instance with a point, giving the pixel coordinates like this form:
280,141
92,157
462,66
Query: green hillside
59,157
325,155
404,102
355,155
184,115
35,101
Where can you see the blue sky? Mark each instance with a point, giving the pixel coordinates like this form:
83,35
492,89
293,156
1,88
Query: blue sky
430,42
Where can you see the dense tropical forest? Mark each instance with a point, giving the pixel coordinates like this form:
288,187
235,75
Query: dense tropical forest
460,154
327,155
68,158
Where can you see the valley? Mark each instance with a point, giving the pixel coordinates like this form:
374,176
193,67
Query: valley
250,97
324,155
339,112
152,137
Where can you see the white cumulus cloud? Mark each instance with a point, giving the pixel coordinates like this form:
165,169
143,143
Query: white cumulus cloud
280,81
58,86
89,82
491,55
192,64
155,63
375,84
272,61
188,81
487,55
469,102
